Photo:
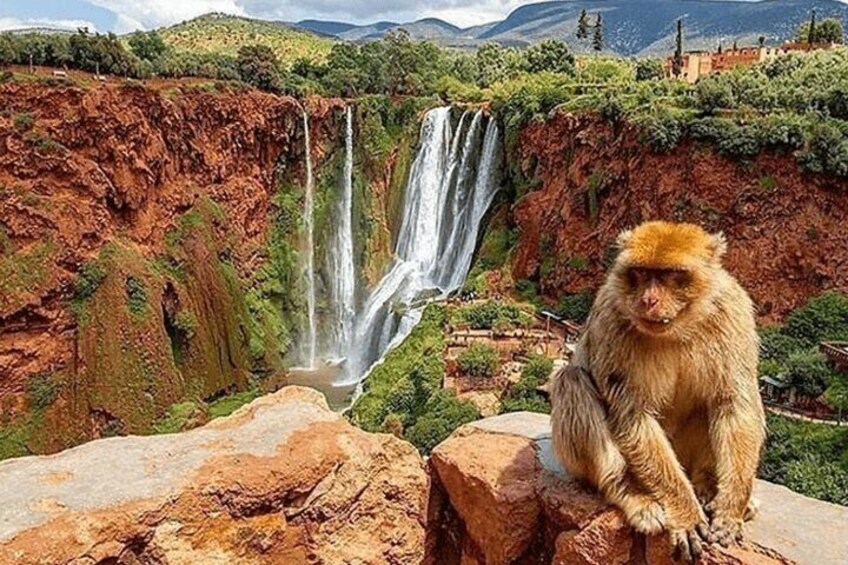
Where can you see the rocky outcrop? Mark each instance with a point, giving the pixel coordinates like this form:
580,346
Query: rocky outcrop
286,480
587,180
283,480
500,497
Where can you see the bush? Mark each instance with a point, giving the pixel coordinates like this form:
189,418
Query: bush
827,151
776,345
824,318
808,372
663,130
712,93
90,277
809,458
576,307
483,316
136,295
538,368
649,69
23,121
479,360
42,390
443,414
524,396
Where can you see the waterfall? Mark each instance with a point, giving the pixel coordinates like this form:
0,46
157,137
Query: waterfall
309,345
341,255
451,185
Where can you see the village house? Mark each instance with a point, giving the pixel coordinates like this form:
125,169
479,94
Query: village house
697,64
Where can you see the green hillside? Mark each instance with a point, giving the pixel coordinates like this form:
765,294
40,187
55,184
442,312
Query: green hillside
223,35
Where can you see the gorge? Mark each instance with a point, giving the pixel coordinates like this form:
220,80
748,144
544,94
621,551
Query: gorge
154,272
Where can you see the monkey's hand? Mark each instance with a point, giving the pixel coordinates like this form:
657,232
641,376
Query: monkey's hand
688,543
688,536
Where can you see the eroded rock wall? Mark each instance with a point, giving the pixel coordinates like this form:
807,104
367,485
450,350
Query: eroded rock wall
586,180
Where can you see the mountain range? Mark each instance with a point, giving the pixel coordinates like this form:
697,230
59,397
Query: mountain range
631,27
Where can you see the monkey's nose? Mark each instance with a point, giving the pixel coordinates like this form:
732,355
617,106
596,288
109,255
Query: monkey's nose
650,302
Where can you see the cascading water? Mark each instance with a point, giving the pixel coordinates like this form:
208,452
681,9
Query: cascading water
308,355
448,192
341,256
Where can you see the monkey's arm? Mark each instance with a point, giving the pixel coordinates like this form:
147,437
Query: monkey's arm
652,460
737,433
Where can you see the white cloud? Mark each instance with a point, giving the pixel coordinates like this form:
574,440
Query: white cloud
17,23
133,14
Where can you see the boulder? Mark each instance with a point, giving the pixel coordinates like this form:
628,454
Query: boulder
508,501
282,480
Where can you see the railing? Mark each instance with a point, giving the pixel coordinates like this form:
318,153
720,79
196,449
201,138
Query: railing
835,350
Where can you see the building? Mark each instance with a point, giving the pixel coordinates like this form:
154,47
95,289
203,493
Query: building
701,63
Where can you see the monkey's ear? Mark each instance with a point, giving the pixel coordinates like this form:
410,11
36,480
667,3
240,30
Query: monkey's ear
717,246
623,239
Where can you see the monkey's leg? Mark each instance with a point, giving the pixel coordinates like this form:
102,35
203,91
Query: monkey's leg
737,434
584,445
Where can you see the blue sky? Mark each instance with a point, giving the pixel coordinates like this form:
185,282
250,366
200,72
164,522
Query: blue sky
122,16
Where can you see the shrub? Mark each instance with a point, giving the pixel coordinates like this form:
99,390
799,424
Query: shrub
186,323
576,307
479,360
442,415
23,121
538,368
649,69
42,390
827,151
90,277
808,372
524,396
776,345
136,295
712,93
662,130
483,316
822,318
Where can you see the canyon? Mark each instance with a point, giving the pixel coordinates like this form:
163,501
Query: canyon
152,242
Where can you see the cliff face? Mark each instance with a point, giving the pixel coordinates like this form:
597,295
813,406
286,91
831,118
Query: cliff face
588,180
132,222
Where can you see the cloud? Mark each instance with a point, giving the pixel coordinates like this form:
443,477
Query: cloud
132,15
7,23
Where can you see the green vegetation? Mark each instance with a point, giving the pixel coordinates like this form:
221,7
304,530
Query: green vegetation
829,30
442,414
404,395
487,315
576,307
228,404
42,390
809,458
136,296
24,270
524,396
790,352
479,360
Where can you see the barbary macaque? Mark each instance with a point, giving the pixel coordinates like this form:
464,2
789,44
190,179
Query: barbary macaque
659,408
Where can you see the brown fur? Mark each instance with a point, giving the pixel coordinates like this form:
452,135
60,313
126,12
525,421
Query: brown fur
660,408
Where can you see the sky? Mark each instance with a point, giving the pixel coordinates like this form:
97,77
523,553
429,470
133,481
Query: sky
122,16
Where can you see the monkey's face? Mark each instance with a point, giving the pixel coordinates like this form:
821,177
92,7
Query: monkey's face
657,299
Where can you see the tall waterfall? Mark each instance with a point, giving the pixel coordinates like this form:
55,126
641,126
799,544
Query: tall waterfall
341,255
311,331
451,185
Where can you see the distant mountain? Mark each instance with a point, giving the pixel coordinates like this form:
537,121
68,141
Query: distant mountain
631,27
224,34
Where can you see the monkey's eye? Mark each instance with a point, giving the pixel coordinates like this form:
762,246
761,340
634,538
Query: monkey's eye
681,279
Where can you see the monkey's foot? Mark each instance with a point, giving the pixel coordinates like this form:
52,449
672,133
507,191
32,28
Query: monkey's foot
647,518
688,544
725,531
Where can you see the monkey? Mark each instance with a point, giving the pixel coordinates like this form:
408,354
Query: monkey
659,408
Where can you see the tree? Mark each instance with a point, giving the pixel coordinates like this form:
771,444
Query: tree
677,61
812,31
551,55
649,69
829,30
147,46
583,25
257,66
598,38
762,41
719,48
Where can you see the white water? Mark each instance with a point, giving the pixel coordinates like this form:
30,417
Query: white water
447,195
341,261
311,331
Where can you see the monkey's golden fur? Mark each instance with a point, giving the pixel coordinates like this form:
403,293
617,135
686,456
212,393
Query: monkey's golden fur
660,408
